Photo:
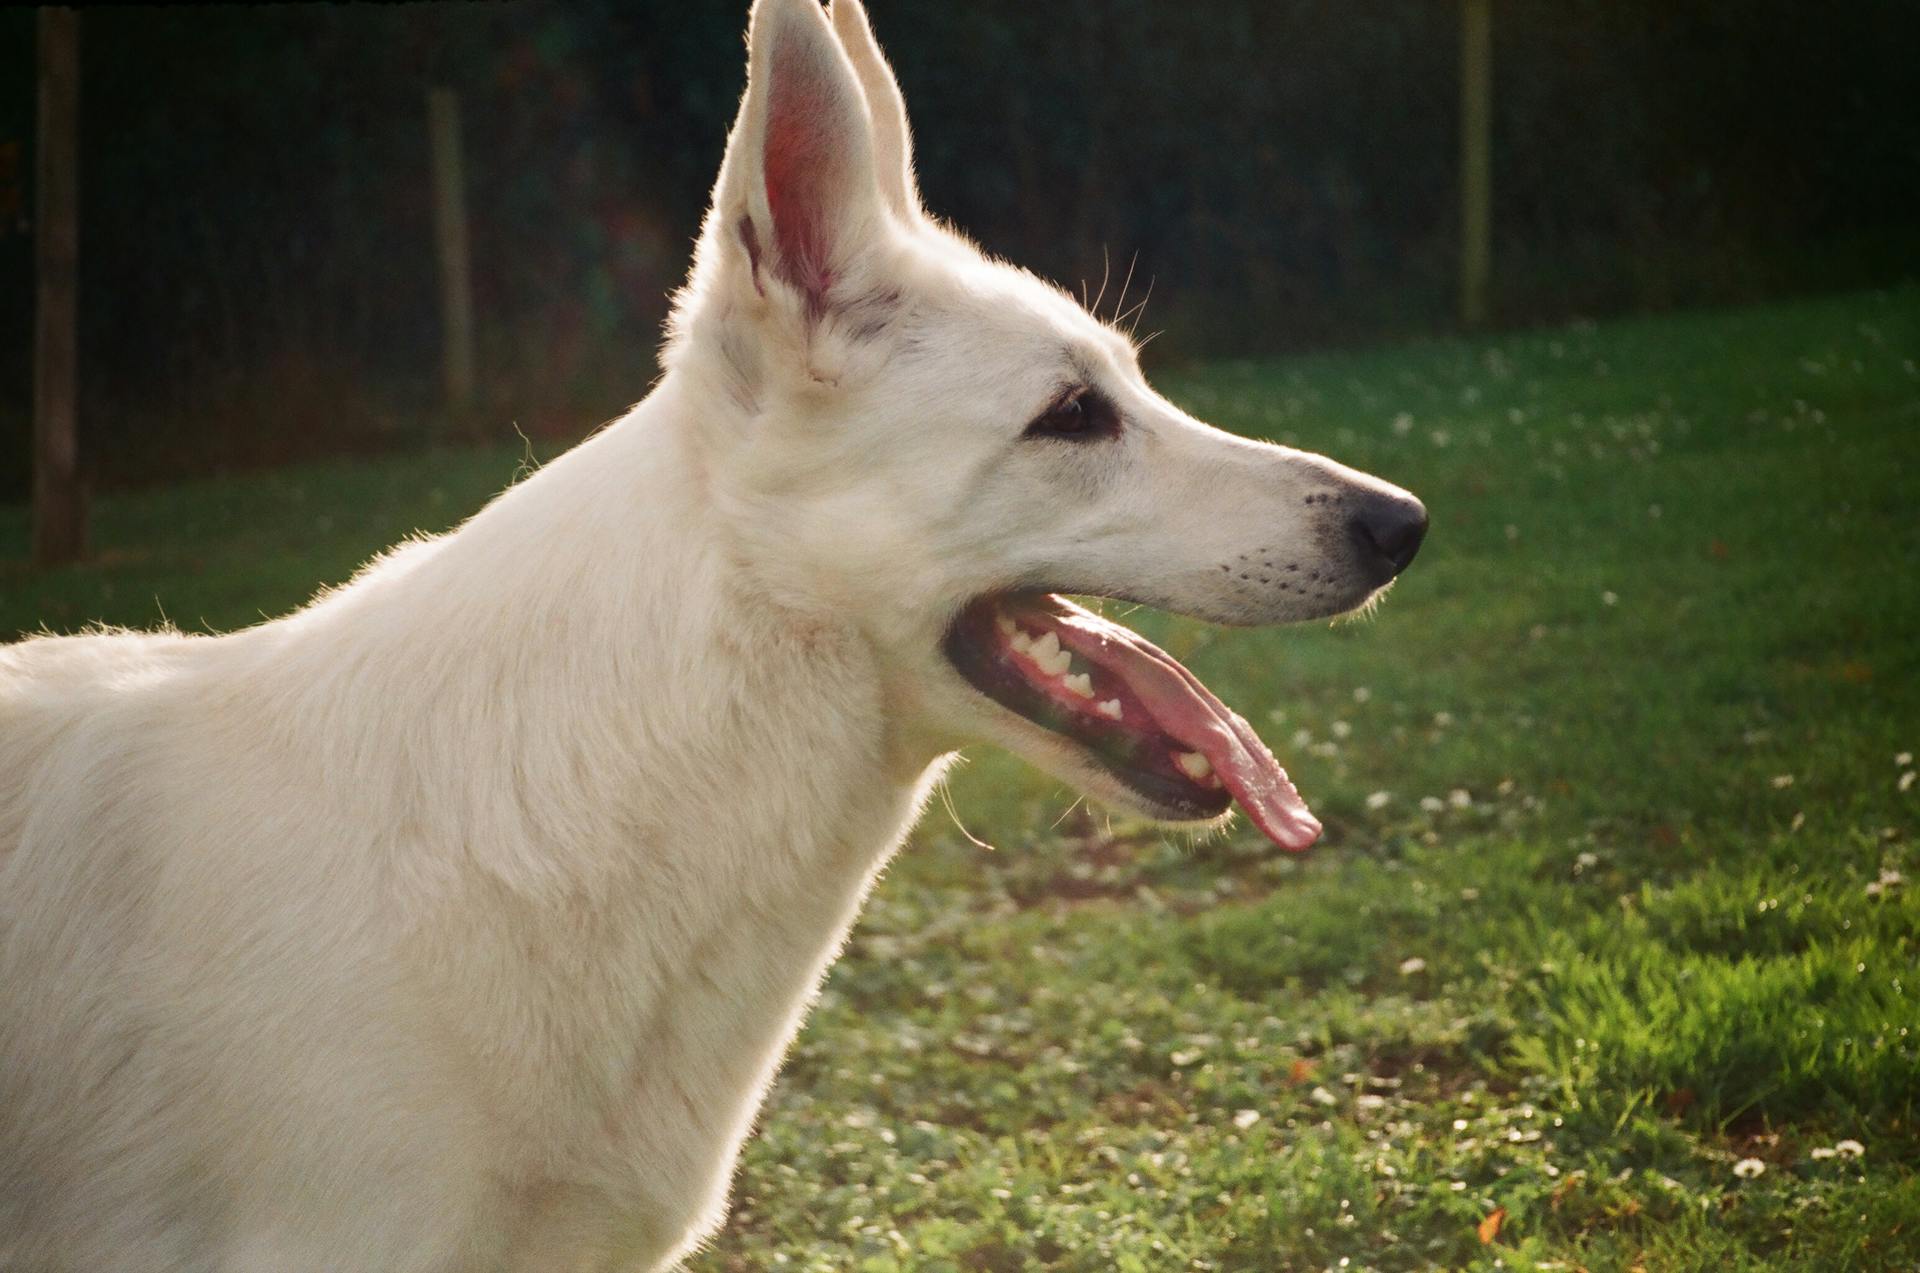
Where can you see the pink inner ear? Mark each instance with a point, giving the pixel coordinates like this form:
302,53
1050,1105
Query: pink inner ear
804,170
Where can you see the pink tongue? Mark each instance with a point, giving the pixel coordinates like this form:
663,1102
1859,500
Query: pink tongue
1188,711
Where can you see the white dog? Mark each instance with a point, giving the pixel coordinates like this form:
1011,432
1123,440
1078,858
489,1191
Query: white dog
459,920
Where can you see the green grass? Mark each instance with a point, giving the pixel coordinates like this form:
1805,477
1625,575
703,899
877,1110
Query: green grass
1614,895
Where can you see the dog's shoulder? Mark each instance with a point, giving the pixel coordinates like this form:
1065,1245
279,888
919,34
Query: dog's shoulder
60,698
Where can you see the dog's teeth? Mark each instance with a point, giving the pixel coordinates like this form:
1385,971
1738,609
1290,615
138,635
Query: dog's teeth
1021,641
1194,765
1079,683
1048,655
1006,625
1110,708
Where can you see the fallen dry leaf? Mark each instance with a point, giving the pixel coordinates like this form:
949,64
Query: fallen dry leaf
1490,1227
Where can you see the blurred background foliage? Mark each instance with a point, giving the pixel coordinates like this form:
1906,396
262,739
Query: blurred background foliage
257,269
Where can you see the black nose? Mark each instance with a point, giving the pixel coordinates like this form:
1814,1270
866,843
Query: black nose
1388,530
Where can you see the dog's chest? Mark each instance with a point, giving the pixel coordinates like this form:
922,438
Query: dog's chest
696,1015
625,1029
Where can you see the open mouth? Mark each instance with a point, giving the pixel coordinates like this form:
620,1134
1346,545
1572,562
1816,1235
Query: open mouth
1129,707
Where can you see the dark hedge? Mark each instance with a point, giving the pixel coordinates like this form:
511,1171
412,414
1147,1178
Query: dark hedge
258,278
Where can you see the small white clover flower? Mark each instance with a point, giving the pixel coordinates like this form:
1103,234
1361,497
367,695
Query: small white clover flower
1245,1118
1379,799
1432,804
1823,1152
1748,1168
1460,798
1849,1148
1408,967
1780,782
1609,598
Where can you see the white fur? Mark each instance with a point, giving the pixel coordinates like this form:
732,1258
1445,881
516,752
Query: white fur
459,920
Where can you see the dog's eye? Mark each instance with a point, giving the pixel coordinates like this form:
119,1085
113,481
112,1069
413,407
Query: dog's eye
1081,417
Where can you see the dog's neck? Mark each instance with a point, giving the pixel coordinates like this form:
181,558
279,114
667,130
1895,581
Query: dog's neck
597,731
594,637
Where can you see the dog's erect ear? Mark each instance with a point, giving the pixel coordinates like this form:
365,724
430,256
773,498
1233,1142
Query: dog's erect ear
886,108
798,189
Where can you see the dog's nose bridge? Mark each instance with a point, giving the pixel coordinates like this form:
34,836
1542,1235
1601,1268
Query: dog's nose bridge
1385,522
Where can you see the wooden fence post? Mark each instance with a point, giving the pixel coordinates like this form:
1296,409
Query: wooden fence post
450,235
1476,159
59,503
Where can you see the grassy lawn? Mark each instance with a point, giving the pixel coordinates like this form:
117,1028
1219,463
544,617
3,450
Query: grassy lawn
1611,955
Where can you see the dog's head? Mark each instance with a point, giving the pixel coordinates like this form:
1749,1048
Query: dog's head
933,444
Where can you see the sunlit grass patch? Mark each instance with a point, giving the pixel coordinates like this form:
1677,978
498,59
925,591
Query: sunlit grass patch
1739,1001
